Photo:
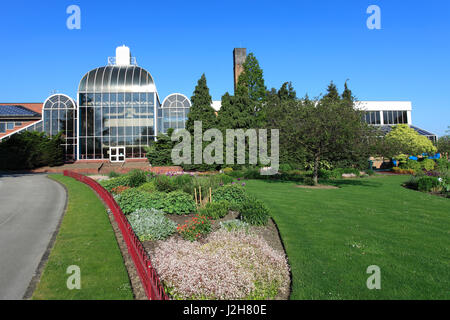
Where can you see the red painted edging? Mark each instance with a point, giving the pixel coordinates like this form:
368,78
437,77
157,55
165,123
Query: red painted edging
147,274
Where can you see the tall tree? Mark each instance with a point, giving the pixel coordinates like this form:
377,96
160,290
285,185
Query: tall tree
201,109
235,113
287,92
251,80
347,94
332,93
252,90
328,127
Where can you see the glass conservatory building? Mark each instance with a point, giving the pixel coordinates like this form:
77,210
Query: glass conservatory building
120,111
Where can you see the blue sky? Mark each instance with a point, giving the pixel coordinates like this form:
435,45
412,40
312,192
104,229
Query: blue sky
307,42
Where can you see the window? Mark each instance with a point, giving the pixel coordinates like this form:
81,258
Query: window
59,115
2,127
174,110
395,117
10,125
372,117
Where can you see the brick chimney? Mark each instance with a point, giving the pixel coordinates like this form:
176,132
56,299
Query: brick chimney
239,56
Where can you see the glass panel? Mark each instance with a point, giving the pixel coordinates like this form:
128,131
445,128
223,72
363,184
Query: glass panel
90,99
99,79
129,78
405,117
90,121
98,148
83,148
106,78
120,98
121,81
114,78
98,121
82,86
90,148
97,99
137,76
90,82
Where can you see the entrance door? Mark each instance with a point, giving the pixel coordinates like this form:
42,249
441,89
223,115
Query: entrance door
117,154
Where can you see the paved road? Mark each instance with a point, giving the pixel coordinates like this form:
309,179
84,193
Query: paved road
31,206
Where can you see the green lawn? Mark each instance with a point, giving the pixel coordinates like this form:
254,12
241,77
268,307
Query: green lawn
85,239
332,236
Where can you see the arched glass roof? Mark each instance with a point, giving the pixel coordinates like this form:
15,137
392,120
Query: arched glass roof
117,79
176,100
59,101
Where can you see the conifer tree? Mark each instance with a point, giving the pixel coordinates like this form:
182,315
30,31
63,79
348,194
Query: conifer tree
201,109
251,80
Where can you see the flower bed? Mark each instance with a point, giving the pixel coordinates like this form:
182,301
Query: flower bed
228,248
228,265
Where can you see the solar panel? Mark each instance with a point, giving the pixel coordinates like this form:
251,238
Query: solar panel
422,131
17,111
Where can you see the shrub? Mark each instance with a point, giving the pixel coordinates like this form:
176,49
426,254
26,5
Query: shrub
338,172
115,182
412,164
428,164
230,265
254,212
215,210
325,174
29,150
147,187
166,183
412,183
309,181
227,170
179,202
131,200
235,194
234,225
136,178
284,167
442,164
370,172
119,189
156,200
427,184
194,228
251,173
151,224
113,174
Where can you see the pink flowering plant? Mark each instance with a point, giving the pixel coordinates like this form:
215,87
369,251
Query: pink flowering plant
194,228
230,265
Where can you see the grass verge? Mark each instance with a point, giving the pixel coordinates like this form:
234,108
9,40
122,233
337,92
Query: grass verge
85,239
332,236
